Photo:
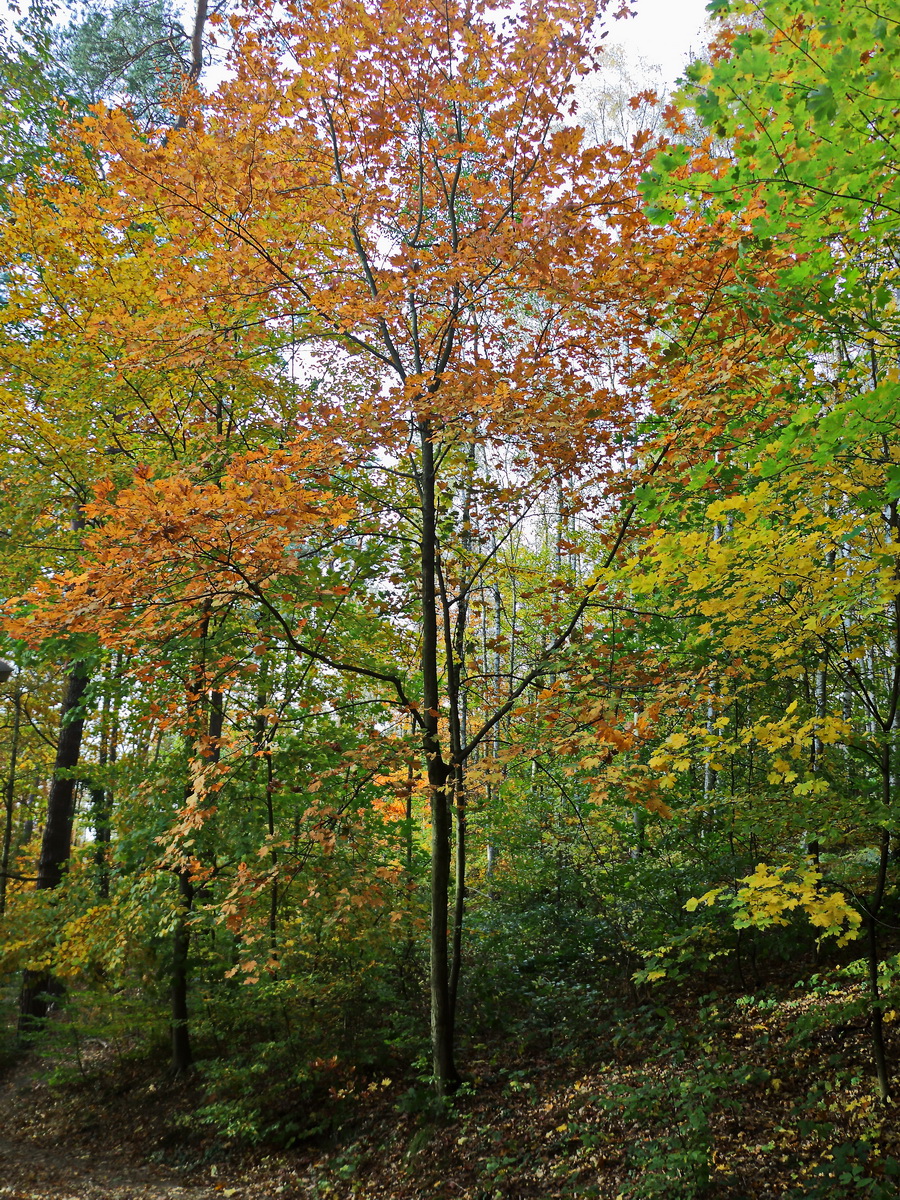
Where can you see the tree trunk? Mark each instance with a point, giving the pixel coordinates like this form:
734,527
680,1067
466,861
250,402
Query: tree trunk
872,911
9,797
879,1053
262,738
459,900
444,1068
455,647
445,1073
196,67
101,818
101,795
56,845
182,1054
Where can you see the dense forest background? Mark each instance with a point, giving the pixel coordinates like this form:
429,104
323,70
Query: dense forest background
450,589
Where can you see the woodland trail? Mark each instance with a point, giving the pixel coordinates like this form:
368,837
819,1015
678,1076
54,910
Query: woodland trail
32,1172
51,1151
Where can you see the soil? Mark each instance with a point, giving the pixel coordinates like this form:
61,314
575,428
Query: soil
533,1128
58,1145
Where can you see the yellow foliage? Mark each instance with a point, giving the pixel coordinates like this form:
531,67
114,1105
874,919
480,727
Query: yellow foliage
769,894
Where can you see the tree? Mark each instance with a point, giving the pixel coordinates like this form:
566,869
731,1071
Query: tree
802,94
136,54
403,203
65,453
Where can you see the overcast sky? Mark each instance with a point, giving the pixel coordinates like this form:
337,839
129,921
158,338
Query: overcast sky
663,32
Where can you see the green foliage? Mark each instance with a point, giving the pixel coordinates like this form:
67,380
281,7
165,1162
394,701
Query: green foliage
665,1107
128,53
849,1168
689,778
29,115
794,91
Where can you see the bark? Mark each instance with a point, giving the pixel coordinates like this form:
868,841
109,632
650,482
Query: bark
216,725
445,1074
446,1077
101,796
182,1054
101,818
262,741
872,912
9,797
57,840
410,782
214,709
56,845
459,901
196,67
455,631
879,1052
888,723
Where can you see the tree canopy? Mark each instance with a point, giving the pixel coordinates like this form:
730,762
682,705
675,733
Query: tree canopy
453,558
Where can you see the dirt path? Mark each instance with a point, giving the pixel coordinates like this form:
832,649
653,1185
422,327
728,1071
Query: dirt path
48,1153
33,1172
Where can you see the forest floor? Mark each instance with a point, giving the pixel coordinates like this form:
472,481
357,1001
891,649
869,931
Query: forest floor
734,1106
67,1143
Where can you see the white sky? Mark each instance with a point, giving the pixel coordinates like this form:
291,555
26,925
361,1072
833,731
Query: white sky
663,32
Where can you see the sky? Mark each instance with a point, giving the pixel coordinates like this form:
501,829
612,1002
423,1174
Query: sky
663,32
